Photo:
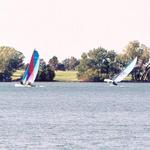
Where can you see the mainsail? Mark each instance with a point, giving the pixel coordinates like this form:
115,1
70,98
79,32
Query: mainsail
126,71
32,69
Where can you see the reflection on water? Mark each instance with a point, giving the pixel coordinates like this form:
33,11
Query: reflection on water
62,116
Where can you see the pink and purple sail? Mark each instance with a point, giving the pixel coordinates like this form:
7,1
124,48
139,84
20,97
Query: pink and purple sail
32,69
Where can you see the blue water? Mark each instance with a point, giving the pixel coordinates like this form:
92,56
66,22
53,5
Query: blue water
75,116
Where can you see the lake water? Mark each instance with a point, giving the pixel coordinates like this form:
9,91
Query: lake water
75,116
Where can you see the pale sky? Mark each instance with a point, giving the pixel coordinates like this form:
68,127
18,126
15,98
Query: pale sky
70,27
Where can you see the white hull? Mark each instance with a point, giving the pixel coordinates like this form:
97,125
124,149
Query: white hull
21,85
108,80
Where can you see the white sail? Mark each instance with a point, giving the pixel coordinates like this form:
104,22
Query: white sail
126,71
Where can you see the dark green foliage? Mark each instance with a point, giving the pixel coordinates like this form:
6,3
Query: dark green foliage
45,73
61,67
71,63
53,63
97,65
10,61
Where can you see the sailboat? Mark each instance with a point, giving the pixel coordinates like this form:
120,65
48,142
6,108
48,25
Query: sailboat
124,73
31,71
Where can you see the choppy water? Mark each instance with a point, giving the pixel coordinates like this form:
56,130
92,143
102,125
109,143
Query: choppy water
75,116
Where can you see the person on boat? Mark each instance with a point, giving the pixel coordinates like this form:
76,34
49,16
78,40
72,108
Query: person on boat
21,82
114,83
29,83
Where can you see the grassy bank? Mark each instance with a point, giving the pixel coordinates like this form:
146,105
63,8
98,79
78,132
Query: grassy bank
66,76
62,76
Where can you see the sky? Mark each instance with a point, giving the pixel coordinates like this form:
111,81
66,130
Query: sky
66,28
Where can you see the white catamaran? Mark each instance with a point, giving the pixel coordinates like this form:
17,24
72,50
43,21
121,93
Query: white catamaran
31,71
123,74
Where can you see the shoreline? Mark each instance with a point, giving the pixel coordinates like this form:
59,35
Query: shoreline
124,81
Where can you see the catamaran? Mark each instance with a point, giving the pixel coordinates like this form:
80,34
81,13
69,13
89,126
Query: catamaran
123,74
31,71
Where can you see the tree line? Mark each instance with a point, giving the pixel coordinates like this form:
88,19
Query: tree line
95,65
12,60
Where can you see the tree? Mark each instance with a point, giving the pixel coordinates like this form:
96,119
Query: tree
135,49
45,73
97,64
71,63
10,61
53,62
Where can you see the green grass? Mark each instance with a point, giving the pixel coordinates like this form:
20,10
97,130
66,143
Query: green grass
128,78
66,76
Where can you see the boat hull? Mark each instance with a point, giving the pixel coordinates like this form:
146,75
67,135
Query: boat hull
22,85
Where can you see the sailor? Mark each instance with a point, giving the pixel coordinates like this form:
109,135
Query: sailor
29,83
21,82
114,83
